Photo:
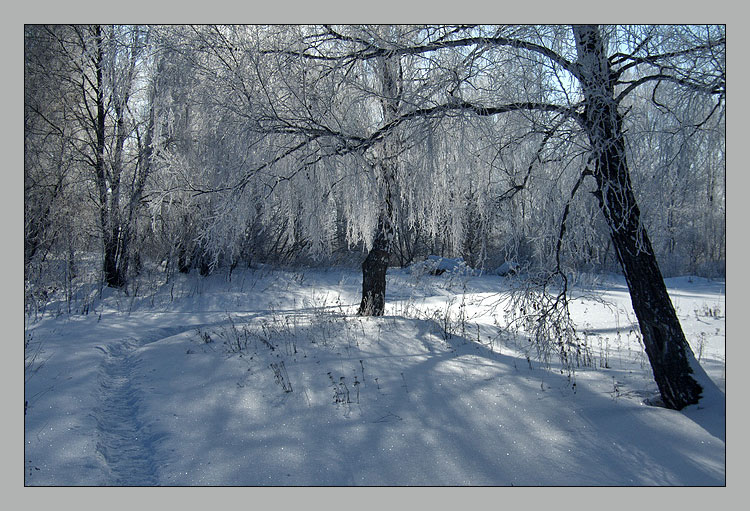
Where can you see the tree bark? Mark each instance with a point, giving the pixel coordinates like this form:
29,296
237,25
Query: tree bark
670,355
374,270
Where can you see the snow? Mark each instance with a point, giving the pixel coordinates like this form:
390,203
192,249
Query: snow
507,268
270,378
437,265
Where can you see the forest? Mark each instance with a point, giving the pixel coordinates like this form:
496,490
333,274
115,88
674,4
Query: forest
542,154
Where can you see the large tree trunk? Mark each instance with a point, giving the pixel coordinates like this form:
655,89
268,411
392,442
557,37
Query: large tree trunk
109,226
375,265
670,356
374,270
112,272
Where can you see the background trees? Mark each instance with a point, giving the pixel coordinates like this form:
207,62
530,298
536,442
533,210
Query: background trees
560,149
82,84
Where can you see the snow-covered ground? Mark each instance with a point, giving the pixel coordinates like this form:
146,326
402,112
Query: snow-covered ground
270,378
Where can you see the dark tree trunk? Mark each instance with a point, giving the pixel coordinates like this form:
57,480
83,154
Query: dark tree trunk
203,267
670,356
375,265
374,270
105,186
113,275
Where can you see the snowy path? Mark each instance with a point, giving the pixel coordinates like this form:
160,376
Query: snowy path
123,441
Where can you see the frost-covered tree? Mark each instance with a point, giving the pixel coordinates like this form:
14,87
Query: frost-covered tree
583,82
330,145
352,105
50,170
678,168
599,74
95,70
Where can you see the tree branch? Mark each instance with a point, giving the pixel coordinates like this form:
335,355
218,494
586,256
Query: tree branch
719,89
566,211
482,111
368,54
619,58
353,143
